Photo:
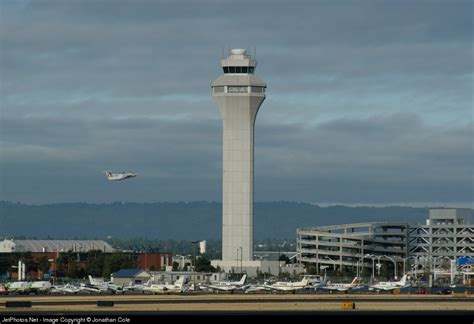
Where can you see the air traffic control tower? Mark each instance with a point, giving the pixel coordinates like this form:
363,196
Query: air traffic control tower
239,94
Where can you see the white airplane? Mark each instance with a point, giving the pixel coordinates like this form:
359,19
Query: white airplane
289,286
390,285
134,286
99,285
229,286
344,287
66,289
180,285
119,176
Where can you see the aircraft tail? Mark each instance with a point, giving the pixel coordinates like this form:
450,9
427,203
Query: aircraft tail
403,281
305,281
354,282
242,280
179,284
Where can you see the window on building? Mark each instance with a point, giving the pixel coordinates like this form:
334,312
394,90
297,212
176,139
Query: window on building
219,89
238,69
258,89
237,89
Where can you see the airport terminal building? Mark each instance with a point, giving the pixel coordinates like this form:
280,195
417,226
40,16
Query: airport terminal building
447,234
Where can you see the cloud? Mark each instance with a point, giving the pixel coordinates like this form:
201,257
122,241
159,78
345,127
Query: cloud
371,95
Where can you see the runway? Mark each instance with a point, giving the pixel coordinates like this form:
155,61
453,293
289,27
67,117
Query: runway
264,303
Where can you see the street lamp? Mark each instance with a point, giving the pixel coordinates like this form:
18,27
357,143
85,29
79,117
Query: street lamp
394,264
371,256
332,261
379,265
194,260
241,257
324,267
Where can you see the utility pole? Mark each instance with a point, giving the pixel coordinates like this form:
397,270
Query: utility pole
194,260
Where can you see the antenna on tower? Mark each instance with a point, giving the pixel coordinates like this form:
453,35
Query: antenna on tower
222,52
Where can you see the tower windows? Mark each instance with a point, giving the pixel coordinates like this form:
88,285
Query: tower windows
239,69
235,89
239,89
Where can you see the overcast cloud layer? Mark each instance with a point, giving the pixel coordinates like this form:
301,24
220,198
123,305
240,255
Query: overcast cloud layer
367,101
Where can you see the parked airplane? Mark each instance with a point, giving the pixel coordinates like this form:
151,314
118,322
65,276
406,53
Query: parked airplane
99,285
344,287
119,176
66,289
289,286
229,286
134,286
390,285
180,285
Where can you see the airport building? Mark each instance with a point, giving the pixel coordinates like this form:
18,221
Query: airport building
78,250
447,234
341,247
57,246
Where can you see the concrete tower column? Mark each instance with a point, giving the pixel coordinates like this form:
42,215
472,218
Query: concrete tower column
239,94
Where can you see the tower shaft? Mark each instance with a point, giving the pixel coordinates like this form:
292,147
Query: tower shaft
239,95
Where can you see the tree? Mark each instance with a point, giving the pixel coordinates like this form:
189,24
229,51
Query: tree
43,264
283,257
311,270
61,265
116,261
175,266
203,264
95,263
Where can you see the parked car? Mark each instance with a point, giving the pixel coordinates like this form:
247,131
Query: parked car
445,291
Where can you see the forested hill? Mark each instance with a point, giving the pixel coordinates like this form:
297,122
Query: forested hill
180,220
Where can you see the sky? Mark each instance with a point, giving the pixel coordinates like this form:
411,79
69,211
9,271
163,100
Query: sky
367,101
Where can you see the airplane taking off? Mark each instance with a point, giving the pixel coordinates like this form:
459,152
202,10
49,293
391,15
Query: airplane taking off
389,285
119,176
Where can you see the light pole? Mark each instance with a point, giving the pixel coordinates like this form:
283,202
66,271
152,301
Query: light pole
371,256
241,256
324,267
332,261
405,263
241,259
379,265
194,260
394,264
